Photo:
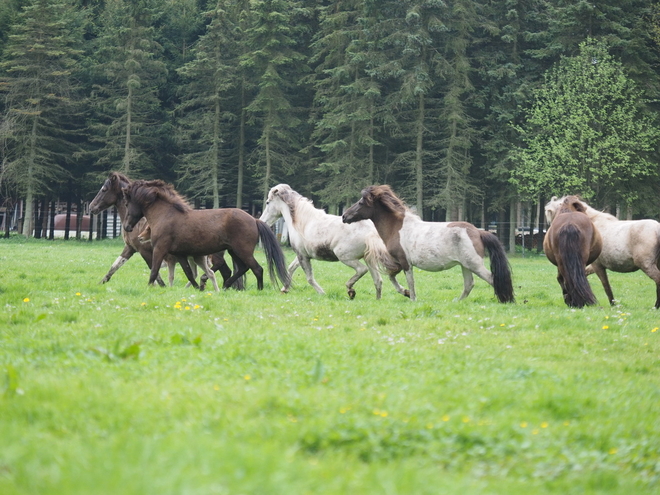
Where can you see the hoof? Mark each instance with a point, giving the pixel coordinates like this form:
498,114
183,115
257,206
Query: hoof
406,293
351,294
284,290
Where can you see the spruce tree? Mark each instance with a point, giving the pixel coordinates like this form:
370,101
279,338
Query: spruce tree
40,93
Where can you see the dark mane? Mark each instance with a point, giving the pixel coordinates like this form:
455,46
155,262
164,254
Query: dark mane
147,191
387,198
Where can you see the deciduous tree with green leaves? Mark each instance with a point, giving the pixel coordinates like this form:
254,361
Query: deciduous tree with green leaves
587,132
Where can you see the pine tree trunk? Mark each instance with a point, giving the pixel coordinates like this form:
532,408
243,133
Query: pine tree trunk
241,150
127,144
419,178
216,153
268,165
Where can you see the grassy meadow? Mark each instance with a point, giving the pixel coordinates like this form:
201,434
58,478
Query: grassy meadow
127,389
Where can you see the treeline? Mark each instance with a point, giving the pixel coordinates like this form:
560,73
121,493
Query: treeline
465,107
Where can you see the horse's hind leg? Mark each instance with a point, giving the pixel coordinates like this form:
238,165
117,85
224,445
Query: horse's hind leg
468,282
652,271
293,266
601,273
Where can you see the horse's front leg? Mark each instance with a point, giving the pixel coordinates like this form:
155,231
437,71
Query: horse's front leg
411,283
119,262
397,286
601,273
360,270
202,262
306,265
183,261
156,262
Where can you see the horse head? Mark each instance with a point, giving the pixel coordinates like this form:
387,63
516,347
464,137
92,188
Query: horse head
135,195
110,193
278,197
552,208
373,199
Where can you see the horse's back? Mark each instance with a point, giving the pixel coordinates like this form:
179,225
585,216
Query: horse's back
436,246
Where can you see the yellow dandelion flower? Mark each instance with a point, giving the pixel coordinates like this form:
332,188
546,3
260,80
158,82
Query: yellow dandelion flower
523,424
605,327
429,426
654,330
544,424
27,299
613,451
187,308
143,304
247,377
566,423
215,387
465,419
376,412
196,306
445,417
383,414
535,431
502,324
78,294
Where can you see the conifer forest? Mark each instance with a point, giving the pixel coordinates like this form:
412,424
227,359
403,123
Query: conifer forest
475,110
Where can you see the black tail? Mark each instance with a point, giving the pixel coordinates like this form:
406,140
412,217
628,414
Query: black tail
274,255
578,290
499,267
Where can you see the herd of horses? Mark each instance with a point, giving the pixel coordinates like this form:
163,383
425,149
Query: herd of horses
379,229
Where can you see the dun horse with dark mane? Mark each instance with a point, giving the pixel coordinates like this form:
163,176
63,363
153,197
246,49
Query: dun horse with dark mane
433,246
571,243
178,229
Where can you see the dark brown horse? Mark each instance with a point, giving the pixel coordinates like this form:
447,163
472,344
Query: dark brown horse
217,261
433,246
111,194
571,243
178,229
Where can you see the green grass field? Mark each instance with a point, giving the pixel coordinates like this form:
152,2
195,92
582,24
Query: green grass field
127,389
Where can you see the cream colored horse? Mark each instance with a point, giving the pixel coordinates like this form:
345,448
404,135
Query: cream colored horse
315,234
628,246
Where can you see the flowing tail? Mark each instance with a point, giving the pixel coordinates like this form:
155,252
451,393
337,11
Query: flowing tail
499,267
376,254
274,255
578,290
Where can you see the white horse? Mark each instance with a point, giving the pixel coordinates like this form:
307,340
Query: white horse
432,246
628,246
314,234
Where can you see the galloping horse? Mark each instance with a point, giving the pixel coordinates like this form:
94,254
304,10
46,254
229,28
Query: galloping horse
628,246
433,246
571,243
178,229
314,234
111,194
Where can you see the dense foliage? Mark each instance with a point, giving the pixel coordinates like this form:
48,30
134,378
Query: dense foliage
465,107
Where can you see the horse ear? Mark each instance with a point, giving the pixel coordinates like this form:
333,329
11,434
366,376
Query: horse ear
578,206
554,198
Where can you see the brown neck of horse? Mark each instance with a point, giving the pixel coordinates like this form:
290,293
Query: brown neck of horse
387,224
158,211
